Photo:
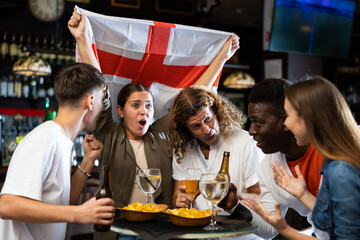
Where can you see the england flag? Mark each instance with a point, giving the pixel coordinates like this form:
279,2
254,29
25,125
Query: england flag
164,56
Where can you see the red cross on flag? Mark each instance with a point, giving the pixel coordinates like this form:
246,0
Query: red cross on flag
166,57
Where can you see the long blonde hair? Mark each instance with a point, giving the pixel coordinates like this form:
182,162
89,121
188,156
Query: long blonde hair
186,104
328,119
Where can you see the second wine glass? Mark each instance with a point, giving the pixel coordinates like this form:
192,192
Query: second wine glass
148,181
190,178
213,187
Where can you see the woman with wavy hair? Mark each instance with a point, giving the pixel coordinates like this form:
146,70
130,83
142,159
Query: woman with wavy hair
202,126
317,113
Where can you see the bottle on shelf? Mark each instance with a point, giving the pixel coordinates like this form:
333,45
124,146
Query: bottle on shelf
29,42
225,164
60,56
52,55
10,86
45,47
4,47
21,45
41,92
50,92
104,191
37,45
32,83
25,87
3,87
18,87
50,113
13,48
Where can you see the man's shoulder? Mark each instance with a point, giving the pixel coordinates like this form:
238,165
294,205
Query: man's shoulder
272,158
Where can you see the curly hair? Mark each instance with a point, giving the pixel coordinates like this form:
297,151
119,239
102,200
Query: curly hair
187,104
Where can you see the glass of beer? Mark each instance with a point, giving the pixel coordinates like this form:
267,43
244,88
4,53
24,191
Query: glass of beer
190,178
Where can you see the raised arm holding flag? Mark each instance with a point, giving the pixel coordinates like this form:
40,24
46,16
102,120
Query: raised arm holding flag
145,142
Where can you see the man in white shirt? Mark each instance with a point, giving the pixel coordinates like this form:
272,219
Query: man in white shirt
34,201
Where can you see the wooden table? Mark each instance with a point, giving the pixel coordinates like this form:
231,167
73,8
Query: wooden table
162,228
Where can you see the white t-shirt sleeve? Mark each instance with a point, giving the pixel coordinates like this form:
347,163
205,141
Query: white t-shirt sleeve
28,168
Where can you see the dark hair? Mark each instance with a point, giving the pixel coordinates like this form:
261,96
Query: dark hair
75,80
130,88
270,91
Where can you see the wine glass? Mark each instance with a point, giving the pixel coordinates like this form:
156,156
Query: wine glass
190,178
148,181
213,187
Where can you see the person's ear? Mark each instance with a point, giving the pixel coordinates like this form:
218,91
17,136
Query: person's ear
119,111
90,102
283,118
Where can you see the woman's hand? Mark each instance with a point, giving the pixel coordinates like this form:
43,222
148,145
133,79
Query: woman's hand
184,199
295,186
276,220
230,47
92,148
77,25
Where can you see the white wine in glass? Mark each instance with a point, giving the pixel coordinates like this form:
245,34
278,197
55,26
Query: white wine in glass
213,187
191,178
148,181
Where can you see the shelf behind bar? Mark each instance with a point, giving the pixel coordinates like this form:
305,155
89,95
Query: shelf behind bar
238,66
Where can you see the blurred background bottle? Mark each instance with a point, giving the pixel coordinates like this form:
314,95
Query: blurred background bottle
13,48
18,87
32,83
10,86
4,46
25,87
3,87
41,92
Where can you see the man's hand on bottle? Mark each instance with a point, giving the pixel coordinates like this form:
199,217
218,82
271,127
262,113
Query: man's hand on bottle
231,200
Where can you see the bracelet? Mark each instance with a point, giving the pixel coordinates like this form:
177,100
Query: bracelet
82,170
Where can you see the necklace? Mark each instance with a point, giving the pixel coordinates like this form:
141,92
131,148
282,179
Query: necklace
64,126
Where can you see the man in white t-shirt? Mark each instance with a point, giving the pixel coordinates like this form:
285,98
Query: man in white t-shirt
35,198
203,126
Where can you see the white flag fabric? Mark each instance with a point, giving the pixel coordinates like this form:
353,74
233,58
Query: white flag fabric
166,57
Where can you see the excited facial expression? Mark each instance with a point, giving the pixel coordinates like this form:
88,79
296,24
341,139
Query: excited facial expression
138,113
267,128
204,126
296,125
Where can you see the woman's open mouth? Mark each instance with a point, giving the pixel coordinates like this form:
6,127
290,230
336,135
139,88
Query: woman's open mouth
142,123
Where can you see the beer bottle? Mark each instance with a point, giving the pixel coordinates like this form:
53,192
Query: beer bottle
225,164
13,48
4,47
104,191
32,84
26,87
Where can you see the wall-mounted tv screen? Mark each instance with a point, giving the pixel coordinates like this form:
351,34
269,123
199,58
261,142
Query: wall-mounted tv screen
319,27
